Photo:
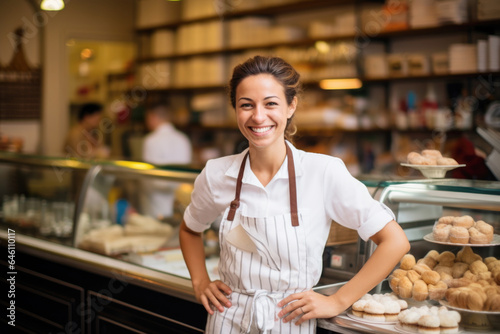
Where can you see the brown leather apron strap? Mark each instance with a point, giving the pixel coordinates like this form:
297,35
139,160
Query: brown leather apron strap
293,187
235,204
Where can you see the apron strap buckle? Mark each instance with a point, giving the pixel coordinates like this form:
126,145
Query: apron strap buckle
235,204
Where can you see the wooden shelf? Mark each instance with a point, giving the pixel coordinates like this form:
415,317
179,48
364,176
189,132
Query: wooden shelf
261,11
449,76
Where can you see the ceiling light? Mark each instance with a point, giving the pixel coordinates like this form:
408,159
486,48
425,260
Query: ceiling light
353,83
52,5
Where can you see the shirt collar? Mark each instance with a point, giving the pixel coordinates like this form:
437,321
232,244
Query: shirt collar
249,177
165,127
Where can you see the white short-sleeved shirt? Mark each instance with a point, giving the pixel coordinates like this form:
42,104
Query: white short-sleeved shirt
326,191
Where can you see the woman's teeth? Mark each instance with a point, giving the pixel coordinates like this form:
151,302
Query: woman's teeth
260,130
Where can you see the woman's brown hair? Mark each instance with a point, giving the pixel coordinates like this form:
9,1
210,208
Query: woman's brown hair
282,71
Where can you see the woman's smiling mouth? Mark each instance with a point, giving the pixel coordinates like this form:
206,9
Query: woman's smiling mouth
261,129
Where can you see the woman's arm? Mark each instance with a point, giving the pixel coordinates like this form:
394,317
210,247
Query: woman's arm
206,292
392,244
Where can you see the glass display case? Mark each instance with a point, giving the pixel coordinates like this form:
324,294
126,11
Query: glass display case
38,195
419,206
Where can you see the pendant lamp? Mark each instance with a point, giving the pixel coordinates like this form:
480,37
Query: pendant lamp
52,5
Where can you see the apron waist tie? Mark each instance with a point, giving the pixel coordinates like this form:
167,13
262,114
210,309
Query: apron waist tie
263,311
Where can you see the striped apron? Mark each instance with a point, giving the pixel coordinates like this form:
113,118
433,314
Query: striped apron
262,260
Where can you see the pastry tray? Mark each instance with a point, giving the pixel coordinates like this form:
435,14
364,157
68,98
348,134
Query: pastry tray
495,242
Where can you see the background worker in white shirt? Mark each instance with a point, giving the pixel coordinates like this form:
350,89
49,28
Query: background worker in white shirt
164,145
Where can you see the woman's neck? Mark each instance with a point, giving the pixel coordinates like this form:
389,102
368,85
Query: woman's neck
265,163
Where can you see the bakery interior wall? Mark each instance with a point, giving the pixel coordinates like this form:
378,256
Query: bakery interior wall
110,20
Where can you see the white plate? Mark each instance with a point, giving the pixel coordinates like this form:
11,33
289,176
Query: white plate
445,303
495,242
400,328
433,172
368,321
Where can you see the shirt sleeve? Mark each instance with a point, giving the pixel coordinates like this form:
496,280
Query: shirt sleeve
201,211
349,203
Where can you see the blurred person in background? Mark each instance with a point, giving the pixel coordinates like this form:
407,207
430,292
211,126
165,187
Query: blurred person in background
164,145
84,140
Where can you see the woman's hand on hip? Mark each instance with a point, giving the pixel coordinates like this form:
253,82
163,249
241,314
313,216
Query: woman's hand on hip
213,295
307,305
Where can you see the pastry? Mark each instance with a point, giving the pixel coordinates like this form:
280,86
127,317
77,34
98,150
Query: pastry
428,324
443,269
463,221
409,319
399,273
476,237
394,283
437,291
448,220
413,276
407,262
420,291
485,228
414,158
392,309
458,269
441,232
420,268
477,267
459,235
428,261
434,254
431,153
489,260
467,255
405,287
431,277
446,161
448,322
374,310
358,308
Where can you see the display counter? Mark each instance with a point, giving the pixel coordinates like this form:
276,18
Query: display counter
94,255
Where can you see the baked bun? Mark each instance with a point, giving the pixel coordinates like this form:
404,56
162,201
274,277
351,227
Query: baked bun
485,228
463,221
405,287
420,291
446,161
431,277
476,237
441,232
407,262
431,153
437,291
428,324
459,268
414,158
448,220
459,235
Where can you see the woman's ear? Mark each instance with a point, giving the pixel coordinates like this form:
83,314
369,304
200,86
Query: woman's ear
292,107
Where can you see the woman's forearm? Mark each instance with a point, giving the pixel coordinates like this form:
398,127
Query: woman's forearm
392,245
194,253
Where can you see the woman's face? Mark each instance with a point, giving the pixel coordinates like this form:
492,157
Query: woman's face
262,110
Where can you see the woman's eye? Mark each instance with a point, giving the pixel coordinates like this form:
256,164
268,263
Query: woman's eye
245,105
272,104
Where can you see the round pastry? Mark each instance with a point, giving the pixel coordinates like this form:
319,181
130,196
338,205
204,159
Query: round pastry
489,259
392,310
459,235
374,311
464,221
413,275
358,308
409,319
420,268
459,269
402,304
431,153
428,324
475,301
431,277
393,284
448,220
434,254
443,269
437,291
428,161
399,273
446,257
414,158
441,232
476,237
446,161
448,322
405,287
477,267
407,262
428,261
420,291
485,228
467,255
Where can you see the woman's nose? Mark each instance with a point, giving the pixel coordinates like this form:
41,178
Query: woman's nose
259,114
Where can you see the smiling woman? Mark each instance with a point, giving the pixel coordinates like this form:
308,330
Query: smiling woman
277,204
